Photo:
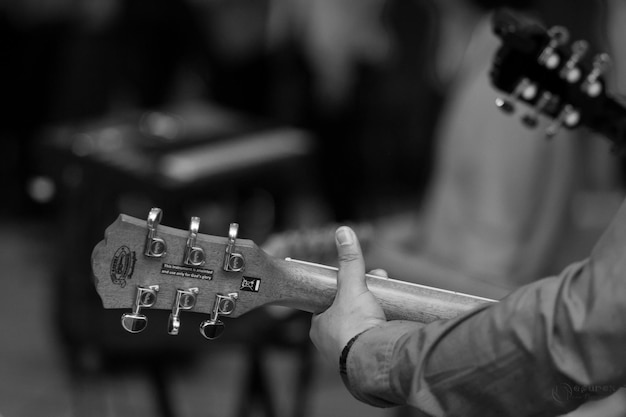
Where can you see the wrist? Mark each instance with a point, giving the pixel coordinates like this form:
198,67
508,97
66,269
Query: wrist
343,358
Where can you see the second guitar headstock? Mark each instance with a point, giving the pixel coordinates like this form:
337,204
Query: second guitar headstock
554,78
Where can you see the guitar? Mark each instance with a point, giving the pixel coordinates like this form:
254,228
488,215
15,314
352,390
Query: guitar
556,78
142,265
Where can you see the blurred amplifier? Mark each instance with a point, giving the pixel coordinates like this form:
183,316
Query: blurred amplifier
184,145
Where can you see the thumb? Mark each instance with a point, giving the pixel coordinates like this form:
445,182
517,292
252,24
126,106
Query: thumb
351,274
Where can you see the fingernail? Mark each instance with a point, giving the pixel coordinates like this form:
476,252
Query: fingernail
344,236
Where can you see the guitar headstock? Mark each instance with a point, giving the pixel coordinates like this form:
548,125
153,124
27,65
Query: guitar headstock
556,78
143,265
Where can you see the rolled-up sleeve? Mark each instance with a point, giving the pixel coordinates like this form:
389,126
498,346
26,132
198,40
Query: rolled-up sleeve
542,351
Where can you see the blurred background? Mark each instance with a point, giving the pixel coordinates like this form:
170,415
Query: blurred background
288,117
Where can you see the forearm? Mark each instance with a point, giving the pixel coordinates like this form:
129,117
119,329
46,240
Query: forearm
467,366
513,357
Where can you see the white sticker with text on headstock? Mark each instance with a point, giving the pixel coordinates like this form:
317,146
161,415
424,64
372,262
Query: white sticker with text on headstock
184,271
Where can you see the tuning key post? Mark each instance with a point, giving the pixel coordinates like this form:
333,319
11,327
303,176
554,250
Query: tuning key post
185,300
592,86
233,261
568,117
224,306
155,247
505,105
524,89
549,57
570,70
532,119
193,255
145,297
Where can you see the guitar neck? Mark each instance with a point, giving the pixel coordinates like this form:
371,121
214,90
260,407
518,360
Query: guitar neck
142,268
311,287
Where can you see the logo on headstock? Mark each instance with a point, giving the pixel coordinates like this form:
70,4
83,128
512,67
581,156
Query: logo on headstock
250,284
122,266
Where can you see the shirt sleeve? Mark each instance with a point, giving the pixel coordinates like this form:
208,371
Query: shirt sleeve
543,350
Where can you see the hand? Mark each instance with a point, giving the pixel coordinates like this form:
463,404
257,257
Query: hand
355,309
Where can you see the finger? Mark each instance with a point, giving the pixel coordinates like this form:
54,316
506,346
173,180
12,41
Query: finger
379,273
351,274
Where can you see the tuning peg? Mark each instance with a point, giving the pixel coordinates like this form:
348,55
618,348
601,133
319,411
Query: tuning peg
155,247
549,56
194,255
505,105
185,300
531,119
592,85
570,70
136,322
224,306
568,117
233,261
524,89
212,329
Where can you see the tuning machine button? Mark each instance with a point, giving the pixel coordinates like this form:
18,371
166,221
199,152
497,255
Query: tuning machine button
568,117
193,255
549,57
570,70
136,322
546,100
155,247
233,261
224,306
185,300
524,89
592,86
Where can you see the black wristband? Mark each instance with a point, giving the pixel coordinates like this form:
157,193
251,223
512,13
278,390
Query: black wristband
343,369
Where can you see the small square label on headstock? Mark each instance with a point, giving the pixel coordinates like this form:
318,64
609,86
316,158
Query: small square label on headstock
250,284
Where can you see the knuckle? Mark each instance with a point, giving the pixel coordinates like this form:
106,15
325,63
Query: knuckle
349,257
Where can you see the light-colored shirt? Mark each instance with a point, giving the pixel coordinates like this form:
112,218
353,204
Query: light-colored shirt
500,193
